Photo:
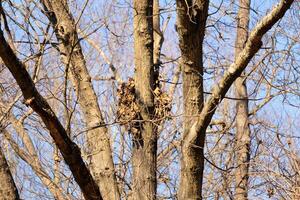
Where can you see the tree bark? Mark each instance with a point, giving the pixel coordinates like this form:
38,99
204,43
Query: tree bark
69,150
8,189
191,21
242,146
157,39
195,138
145,141
102,166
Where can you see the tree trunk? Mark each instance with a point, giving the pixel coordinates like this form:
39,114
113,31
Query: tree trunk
193,140
69,150
145,141
157,39
242,125
191,29
8,189
102,166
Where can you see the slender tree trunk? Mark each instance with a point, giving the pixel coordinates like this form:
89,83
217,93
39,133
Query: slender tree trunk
242,112
102,166
145,141
157,38
69,150
191,20
8,189
31,158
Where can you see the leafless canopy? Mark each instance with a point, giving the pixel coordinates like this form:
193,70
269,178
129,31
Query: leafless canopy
149,99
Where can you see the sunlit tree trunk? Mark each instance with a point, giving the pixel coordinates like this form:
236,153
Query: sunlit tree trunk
98,140
242,125
69,150
145,141
8,189
191,20
157,38
193,140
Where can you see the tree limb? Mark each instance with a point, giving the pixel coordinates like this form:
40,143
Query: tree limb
69,150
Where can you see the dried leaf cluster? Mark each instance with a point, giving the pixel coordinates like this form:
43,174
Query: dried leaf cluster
128,110
162,104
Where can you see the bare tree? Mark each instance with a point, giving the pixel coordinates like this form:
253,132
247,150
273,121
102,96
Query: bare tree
242,111
195,139
102,166
145,139
8,188
69,150
191,22
95,75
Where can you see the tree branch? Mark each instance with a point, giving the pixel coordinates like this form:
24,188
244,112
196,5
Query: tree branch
69,150
252,46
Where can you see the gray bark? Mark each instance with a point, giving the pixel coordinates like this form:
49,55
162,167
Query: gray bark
242,145
69,150
157,39
145,141
191,21
102,166
195,138
8,189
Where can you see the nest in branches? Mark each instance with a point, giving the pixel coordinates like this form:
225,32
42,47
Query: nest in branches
128,109
162,103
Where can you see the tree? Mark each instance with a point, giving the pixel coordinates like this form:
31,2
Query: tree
191,16
242,111
102,166
104,81
196,135
145,138
8,188
69,150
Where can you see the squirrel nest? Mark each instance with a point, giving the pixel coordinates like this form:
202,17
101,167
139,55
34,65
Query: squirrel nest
128,108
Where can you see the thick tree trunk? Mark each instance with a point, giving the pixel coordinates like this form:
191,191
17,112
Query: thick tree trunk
145,141
8,189
195,137
69,150
242,112
191,20
102,166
